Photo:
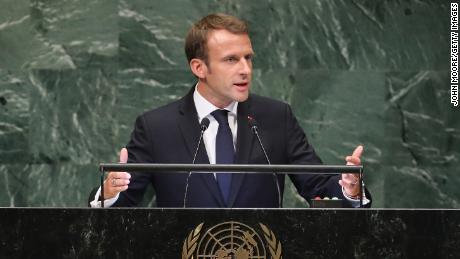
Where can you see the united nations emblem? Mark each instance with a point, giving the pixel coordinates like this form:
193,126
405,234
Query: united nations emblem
231,240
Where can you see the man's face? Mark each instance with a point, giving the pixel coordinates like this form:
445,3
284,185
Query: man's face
227,75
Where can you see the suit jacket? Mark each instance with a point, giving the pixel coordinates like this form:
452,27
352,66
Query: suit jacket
169,134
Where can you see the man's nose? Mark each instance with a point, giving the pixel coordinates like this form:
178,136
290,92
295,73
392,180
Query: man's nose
245,67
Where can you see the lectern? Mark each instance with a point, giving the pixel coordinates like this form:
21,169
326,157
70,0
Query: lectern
228,233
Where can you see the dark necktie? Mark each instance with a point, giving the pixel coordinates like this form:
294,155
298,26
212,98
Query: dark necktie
225,154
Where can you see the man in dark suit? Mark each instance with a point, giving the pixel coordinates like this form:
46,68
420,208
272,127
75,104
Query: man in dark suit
220,55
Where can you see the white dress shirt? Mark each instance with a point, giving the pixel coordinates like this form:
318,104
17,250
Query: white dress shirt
204,109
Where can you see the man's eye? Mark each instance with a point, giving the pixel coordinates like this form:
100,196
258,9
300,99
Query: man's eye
231,59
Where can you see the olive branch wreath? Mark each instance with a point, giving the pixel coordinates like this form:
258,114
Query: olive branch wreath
273,245
190,243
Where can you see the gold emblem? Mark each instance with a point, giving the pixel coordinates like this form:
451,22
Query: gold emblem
231,240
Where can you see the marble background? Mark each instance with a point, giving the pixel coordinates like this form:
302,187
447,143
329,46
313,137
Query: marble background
74,74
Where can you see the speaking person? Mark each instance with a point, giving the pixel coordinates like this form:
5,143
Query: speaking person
220,54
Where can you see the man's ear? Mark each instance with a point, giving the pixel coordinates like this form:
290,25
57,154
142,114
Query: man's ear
198,67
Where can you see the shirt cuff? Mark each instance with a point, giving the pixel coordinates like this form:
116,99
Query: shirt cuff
355,202
107,203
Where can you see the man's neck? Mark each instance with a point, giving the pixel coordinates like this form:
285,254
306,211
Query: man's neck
204,91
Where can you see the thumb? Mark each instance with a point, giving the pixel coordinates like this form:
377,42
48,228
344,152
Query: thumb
358,151
123,155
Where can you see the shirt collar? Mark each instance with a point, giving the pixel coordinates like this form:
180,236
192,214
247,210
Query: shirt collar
204,107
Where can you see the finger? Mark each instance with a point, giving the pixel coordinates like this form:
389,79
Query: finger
352,160
350,189
352,178
119,175
118,182
121,188
123,155
358,151
345,185
112,192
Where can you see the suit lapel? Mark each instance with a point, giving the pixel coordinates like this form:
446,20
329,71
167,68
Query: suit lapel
244,142
190,129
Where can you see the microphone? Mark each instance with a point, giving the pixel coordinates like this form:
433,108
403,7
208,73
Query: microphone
203,126
255,129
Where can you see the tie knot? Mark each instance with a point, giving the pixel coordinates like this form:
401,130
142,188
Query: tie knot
220,116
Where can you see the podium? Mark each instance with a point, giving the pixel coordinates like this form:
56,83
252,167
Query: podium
175,233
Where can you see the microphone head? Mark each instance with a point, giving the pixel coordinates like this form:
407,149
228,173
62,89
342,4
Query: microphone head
252,122
204,124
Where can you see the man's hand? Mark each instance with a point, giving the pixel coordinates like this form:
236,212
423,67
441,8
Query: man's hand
350,182
117,182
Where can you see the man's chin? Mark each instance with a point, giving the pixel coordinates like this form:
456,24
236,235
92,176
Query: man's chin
241,96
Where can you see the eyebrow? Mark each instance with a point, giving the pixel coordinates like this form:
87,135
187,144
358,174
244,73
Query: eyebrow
252,54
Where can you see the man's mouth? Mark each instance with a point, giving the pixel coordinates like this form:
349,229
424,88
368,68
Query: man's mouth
244,84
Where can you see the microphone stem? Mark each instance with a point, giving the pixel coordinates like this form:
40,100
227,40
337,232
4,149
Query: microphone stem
254,128
262,146
193,162
197,147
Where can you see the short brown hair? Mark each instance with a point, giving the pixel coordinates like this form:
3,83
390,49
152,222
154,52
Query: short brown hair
197,36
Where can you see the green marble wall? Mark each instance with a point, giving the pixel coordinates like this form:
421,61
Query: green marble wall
74,75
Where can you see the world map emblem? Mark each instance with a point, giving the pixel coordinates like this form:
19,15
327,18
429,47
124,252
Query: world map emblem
231,240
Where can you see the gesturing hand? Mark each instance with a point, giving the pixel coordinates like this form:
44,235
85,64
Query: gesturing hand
117,182
350,182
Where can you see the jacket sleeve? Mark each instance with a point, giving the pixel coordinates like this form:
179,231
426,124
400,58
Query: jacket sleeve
300,151
139,151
